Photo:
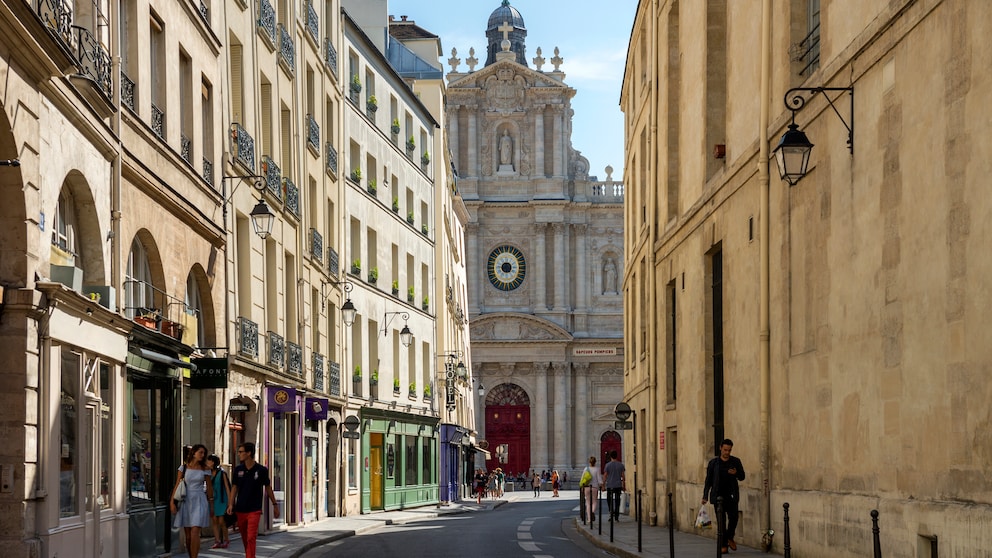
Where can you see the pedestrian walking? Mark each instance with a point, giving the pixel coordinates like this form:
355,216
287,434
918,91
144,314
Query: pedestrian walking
591,488
480,485
249,485
722,475
193,512
555,483
616,482
222,487
536,485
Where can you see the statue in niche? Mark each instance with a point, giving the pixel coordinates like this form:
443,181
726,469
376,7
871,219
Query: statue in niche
506,149
609,277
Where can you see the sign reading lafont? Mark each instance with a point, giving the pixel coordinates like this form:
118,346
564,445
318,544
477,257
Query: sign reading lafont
210,373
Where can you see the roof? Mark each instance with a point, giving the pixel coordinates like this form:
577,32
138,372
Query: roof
404,29
506,13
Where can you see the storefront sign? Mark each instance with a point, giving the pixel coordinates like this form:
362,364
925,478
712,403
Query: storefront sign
210,373
602,351
316,408
282,399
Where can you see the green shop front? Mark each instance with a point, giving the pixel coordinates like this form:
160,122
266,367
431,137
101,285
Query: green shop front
399,468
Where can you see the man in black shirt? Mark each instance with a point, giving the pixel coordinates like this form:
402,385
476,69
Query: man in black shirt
722,474
249,481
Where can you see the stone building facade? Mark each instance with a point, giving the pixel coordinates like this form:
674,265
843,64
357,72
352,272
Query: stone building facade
544,259
832,329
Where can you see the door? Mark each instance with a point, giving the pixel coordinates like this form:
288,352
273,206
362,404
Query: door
91,484
310,476
375,472
609,441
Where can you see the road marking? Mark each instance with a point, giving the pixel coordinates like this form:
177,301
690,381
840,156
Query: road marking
528,546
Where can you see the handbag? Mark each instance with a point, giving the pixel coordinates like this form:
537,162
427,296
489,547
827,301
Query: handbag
586,479
179,495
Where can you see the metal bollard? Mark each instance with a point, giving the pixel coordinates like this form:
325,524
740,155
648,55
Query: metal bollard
638,513
671,527
719,525
874,533
599,506
785,521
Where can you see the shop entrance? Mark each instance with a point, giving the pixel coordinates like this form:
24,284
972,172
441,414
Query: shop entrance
375,471
311,473
508,423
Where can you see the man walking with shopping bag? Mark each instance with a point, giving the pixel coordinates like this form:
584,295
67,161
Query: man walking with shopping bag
722,475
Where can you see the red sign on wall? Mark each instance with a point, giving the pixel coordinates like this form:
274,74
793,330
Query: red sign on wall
661,440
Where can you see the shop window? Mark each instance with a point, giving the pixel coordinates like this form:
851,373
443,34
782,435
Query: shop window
106,433
412,463
68,441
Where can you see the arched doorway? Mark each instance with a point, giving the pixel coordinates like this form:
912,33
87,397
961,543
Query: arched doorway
508,422
609,441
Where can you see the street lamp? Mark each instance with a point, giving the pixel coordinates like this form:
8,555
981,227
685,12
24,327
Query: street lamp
624,412
262,217
793,150
348,310
406,336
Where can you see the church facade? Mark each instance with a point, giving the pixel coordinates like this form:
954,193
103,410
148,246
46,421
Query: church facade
544,256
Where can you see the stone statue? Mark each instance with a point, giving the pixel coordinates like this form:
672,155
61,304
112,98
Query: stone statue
609,277
505,149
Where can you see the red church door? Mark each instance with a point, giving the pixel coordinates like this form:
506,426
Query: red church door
508,422
609,441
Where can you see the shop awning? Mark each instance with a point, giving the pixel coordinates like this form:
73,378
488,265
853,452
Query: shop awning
165,359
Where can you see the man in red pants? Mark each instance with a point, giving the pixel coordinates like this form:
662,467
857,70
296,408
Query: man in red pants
246,496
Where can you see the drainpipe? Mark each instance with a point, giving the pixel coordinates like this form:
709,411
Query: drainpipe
653,386
115,178
763,250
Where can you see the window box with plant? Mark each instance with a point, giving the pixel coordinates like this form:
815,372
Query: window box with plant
356,84
373,186
396,287
413,389
409,217
425,159
395,127
396,204
423,229
356,175
356,266
374,378
427,392
372,104
356,376
396,385
373,275
409,294
411,144
426,303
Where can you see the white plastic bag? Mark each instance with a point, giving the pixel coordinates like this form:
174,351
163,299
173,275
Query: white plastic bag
703,519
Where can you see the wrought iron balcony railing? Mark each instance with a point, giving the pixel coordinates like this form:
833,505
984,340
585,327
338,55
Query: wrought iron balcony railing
294,362
287,50
186,148
292,196
267,19
205,13
316,245
94,60
331,57
127,91
334,378
208,171
277,349
248,337
57,17
158,121
273,176
313,25
332,262
318,372
313,133
332,158
244,146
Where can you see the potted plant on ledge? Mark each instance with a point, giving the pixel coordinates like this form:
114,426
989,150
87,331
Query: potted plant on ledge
396,385
374,378
372,104
373,186
411,145
356,376
396,204
426,303
413,389
425,159
427,392
356,84
356,266
373,275
396,287
409,294
409,217
356,175
395,128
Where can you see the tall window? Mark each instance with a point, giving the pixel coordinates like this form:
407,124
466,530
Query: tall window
716,345
138,283
237,82
68,435
412,463
64,248
671,334
194,310
158,72
186,106
207,108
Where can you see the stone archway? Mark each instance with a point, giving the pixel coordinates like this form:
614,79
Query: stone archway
16,261
508,422
610,441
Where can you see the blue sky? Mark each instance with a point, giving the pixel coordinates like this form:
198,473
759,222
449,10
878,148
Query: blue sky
591,36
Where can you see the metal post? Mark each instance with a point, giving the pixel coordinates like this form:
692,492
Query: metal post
609,503
788,538
671,527
719,525
638,520
599,508
874,533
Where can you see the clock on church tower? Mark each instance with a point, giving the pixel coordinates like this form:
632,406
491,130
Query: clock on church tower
506,267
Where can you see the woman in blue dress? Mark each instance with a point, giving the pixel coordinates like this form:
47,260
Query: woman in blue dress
195,511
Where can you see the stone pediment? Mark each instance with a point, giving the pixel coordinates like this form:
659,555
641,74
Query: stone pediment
509,326
508,75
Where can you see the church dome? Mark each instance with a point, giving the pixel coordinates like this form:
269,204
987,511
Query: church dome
506,13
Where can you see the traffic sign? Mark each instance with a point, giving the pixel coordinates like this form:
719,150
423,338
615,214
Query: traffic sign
349,434
623,425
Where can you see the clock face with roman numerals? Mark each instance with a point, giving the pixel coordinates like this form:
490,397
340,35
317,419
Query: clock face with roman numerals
506,267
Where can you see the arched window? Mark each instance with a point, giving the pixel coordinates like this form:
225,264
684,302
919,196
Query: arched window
194,309
138,285
64,248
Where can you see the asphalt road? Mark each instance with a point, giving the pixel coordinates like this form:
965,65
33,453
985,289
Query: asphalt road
531,528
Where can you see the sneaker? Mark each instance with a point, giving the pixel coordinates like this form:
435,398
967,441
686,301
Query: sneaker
217,545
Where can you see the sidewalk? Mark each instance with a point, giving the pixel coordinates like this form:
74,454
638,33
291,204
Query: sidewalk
298,541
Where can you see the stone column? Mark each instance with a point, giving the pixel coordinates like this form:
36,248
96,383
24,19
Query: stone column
560,266
539,142
540,427
557,139
453,136
540,268
581,270
473,262
473,145
583,407
562,418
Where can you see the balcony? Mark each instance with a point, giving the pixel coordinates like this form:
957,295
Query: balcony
318,372
287,50
313,134
273,177
277,350
267,20
332,262
334,378
313,26
94,60
292,194
127,91
331,57
294,363
158,121
208,171
332,159
205,13
247,337
316,245
244,147
187,148
606,192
